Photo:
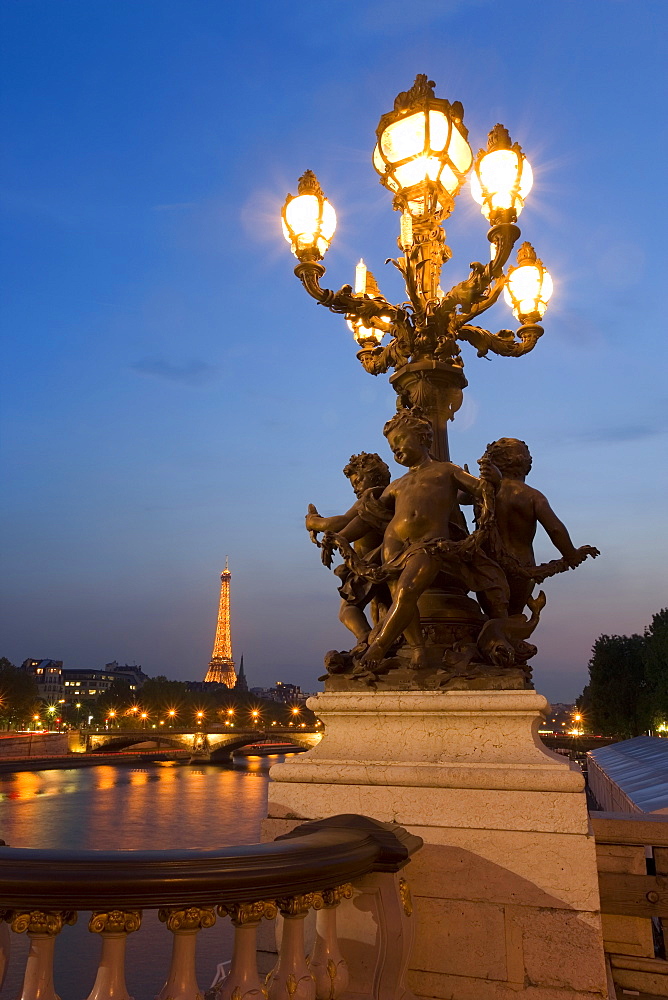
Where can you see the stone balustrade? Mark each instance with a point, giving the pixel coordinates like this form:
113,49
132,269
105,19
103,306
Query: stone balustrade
322,869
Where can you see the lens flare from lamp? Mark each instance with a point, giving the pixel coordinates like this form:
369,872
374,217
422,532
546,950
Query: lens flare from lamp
502,178
528,287
422,153
308,219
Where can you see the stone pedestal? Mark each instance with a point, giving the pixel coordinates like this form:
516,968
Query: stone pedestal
505,888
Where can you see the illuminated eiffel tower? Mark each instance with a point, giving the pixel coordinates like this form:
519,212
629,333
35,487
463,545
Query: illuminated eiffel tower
221,666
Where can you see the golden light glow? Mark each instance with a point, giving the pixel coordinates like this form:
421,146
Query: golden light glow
422,154
529,286
308,219
295,711
366,336
502,178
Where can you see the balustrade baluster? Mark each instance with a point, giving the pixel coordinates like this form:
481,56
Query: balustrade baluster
327,965
185,925
114,927
42,926
243,981
291,978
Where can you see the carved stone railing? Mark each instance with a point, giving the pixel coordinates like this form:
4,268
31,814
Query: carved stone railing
632,854
322,866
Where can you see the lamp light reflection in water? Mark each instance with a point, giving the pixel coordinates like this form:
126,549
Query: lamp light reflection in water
106,807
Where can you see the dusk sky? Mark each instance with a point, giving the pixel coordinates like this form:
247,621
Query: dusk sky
171,395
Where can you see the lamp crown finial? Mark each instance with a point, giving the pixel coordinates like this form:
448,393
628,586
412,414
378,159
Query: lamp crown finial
422,89
499,138
526,253
308,184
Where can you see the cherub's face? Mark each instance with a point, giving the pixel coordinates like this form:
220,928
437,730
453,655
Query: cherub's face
407,446
360,481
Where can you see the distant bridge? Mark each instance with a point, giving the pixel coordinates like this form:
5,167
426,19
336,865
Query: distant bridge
204,744
579,744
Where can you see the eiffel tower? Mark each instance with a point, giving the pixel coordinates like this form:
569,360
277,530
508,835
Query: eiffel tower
221,665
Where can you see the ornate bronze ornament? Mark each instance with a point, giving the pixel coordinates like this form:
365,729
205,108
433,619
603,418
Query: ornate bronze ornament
423,157
249,913
192,918
38,922
410,562
115,922
406,899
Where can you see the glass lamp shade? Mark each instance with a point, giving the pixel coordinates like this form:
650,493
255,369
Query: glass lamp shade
308,219
502,178
422,153
366,336
528,287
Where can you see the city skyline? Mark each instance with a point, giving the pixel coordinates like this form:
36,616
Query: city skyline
170,394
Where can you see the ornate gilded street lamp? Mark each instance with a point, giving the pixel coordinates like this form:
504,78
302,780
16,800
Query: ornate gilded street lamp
423,157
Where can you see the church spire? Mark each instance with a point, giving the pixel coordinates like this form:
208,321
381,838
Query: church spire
242,683
221,665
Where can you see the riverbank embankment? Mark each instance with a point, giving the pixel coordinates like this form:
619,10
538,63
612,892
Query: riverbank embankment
53,762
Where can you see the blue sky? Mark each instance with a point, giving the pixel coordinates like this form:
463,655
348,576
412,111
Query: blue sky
170,395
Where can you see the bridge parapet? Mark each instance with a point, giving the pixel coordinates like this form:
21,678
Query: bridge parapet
350,864
204,744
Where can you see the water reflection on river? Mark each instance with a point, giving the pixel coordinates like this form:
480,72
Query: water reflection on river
153,806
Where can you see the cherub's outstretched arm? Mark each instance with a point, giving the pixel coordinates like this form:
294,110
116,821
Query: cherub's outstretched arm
314,522
556,530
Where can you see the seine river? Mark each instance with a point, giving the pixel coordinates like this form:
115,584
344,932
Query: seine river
123,807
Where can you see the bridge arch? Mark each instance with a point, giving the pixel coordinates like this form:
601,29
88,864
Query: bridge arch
124,742
217,745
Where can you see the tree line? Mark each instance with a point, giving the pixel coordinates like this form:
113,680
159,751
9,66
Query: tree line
627,693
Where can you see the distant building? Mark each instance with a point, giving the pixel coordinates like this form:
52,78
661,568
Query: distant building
287,694
49,677
130,672
87,684
55,683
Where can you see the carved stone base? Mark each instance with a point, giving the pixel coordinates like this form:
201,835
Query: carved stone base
505,889
400,677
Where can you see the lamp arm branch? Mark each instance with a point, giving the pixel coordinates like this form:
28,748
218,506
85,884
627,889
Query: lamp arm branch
345,301
504,236
503,342
378,360
484,303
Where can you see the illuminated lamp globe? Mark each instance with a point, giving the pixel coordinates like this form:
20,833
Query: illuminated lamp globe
365,286
528,286
502,178
366,336
422,153
308,219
